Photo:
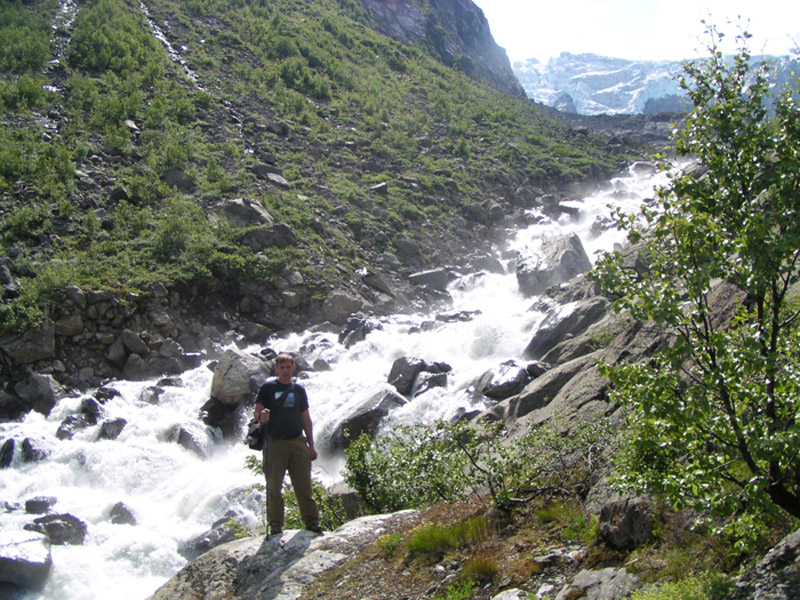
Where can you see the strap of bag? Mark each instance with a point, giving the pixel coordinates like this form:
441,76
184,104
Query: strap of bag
283,396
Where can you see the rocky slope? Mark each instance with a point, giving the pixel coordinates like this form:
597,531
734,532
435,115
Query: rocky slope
256,183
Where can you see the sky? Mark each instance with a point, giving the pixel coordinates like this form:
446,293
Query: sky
638,29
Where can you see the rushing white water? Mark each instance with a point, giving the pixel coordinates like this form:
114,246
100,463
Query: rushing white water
177,495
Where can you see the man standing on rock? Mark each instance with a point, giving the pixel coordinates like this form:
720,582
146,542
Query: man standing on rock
283,406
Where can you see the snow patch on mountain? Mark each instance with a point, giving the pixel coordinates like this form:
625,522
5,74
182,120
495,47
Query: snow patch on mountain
589,84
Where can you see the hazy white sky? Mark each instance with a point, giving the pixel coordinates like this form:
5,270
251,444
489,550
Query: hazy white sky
638,29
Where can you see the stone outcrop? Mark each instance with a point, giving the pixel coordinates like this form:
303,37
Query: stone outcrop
455,31
274,568
775,577
604,584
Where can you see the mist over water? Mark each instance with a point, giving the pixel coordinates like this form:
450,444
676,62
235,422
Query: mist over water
177,495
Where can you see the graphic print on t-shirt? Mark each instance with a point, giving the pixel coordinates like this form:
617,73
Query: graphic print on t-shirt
290,400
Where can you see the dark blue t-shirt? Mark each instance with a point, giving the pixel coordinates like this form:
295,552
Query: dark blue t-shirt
284,421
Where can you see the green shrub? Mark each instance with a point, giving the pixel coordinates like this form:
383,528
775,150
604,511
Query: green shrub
709,586
430,538
479,569
24,36
416,466
458,591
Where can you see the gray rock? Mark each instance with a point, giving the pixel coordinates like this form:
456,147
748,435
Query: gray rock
221,532
70,426
776,576
511,595
245,212
404,372
506,380
25,558
563,323
365,417
122,515
273,236
60,529
111,430
279,567
560,260
435,279
35,344
39,505
237,377
133,343
177,434
39,392
357,328
626,524
606,584
339,305
7,453
69,326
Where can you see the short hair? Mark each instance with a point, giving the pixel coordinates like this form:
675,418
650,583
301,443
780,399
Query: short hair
284,357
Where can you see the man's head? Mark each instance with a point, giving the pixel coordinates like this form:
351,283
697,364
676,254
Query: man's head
284,367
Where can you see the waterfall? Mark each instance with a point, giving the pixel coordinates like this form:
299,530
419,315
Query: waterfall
176,493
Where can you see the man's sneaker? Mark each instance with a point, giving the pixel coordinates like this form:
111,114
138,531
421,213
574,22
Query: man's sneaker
315,527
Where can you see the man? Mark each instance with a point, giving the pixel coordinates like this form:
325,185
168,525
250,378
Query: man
283,406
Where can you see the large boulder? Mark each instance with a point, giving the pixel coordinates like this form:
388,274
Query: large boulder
357,328
339,305
245,212
226,529
776,576
564,323
559,260
435,279
34,344
39,392
366,417
25,558
504,381
277,236
626,524
405,372
60,529
237,377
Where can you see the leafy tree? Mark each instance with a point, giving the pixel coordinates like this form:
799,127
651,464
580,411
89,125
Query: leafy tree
715,415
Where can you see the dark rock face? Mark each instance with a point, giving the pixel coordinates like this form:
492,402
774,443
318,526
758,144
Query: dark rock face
776,577
25,559
60,529
626,524
457,33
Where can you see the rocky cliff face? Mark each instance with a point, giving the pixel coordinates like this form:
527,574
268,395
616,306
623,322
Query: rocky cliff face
455,31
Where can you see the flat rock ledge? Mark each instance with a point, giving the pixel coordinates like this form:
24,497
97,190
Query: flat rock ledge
276,568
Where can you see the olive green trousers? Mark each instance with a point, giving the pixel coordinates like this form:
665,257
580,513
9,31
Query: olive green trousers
293,456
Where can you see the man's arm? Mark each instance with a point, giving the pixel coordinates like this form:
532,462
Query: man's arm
308,428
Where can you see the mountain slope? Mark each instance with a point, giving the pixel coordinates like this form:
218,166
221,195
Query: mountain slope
243,160
589,84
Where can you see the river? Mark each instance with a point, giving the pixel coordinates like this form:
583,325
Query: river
176,494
